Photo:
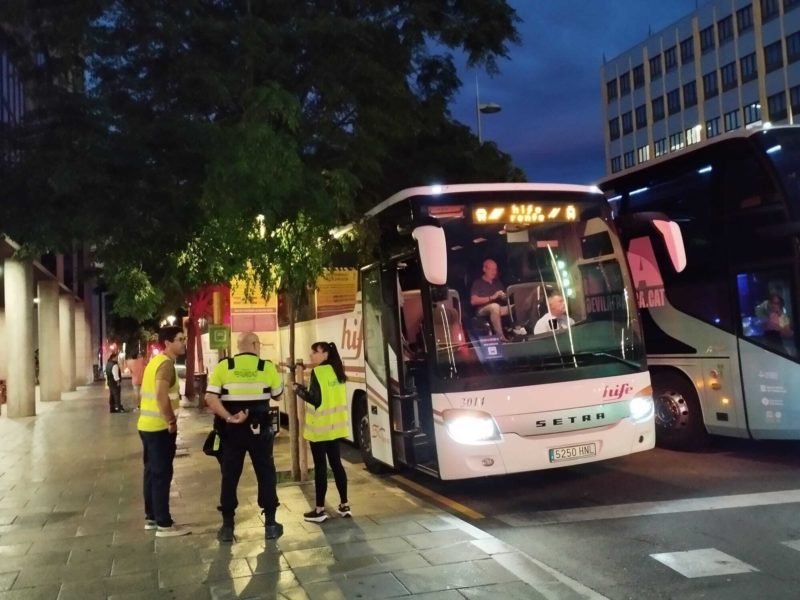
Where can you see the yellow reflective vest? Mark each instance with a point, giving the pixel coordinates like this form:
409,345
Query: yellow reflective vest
329,421
150,417
245,380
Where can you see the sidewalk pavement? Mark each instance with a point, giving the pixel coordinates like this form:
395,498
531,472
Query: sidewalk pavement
71,526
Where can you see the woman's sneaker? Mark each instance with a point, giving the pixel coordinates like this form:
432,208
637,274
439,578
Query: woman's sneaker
344,510
150,524
315,517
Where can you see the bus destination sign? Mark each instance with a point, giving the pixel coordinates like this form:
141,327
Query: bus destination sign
525,214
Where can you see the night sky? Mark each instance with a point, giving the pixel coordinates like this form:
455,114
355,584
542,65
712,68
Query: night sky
551,121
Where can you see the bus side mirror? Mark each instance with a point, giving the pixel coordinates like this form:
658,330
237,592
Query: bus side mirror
432,253
673,240
641,224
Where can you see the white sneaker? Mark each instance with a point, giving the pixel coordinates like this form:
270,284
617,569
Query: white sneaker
519,330
344,510
149,525
173,530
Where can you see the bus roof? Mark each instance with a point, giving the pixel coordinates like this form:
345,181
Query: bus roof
438,190
739,133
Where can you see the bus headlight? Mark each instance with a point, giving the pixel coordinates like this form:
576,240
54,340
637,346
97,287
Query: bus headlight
471,426
641,408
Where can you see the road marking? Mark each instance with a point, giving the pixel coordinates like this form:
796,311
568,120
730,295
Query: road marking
793,544
456,507
642,509
704,562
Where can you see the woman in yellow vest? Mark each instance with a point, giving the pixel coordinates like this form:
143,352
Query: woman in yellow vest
327,421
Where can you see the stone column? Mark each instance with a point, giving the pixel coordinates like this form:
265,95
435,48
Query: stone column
21,384
49,345
66,322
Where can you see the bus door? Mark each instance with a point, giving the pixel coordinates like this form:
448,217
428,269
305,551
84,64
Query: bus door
392,398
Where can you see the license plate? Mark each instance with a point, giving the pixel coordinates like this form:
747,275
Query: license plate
573,452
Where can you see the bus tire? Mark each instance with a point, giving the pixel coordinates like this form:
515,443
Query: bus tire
678,416
365,444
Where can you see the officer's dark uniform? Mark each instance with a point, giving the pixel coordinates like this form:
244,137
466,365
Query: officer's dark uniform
247,382
114,386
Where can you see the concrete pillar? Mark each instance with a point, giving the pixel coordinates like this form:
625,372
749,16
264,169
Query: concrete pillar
21,384
49,345
83,358
66,322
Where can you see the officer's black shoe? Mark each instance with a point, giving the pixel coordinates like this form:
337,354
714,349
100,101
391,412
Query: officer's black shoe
225,534
272,531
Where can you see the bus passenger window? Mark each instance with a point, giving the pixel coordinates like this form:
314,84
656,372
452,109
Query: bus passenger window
765,303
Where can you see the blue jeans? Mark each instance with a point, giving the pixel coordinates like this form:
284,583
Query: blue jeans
159,451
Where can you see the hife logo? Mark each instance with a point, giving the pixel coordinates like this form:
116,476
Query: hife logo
351,339
615,392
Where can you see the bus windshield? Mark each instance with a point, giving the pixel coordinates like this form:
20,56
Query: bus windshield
533,286
782,148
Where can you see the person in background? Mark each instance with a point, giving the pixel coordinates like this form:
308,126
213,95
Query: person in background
114,381
158,430
774,320
327,421
136,367
556,317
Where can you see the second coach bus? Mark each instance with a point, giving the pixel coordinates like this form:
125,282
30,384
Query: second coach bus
722,335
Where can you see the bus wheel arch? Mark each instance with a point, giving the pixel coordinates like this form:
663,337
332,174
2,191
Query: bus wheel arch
679,415
362,434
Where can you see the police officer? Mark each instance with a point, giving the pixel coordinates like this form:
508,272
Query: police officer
239,390
114,381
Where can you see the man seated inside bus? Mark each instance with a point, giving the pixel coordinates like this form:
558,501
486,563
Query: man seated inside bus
772,315
556,316
488,297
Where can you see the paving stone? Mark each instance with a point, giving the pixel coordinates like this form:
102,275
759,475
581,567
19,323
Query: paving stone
384,585
43,592
436,539
453,576
461,552
7,579
515,590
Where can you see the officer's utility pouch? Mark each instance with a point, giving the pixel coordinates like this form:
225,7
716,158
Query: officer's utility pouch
213,443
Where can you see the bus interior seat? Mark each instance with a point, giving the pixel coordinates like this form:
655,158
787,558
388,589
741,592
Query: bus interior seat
528,301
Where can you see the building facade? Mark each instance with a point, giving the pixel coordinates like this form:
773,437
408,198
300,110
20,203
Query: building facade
729,64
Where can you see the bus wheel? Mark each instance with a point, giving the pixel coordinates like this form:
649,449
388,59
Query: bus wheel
679,420
365,443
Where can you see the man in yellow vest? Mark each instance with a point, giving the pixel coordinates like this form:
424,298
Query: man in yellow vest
239,391
158,428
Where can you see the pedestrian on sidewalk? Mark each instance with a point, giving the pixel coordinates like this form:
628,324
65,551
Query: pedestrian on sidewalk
239,391
327,421
136,367
114,381
158,429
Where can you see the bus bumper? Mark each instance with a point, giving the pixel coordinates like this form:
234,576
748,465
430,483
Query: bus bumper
518,454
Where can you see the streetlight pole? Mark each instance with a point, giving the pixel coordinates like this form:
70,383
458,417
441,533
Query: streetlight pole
487,109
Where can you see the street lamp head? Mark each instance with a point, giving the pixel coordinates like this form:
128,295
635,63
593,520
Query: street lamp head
489,108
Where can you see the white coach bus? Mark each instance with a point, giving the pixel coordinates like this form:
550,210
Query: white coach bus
434,387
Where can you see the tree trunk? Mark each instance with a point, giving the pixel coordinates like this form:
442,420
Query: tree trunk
301,420
190,344
291,404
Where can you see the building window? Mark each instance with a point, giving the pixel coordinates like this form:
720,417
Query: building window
794,99
693,135
674,102
690,94
655,67
687,50
710,85
629,159
729,80
776,105
790,4
676,141
707,39
769,10
643,154
744,18
658,109
793,47
641,117
660,147
748,68
725,29
752,113
616,164
611,89
627,123
638,76
670,58
625,83
613,128
732,120
773,56
712,127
